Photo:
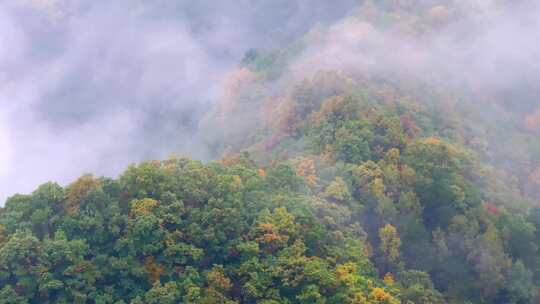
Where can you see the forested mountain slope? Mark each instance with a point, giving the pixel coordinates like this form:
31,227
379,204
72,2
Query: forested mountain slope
346,201
335,180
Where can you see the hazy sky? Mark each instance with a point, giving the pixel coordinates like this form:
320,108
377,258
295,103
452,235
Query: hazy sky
91,86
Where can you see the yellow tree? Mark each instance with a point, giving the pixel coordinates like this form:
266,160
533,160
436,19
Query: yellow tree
78,191
275,229
338,190
389,246
143,207
305,167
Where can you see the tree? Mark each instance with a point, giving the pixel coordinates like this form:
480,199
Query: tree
162,294
418,288
9,296
338,191
519,286
440,184
389,247
19,260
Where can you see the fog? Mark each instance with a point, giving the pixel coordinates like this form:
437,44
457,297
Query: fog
483,54
91,86
485,45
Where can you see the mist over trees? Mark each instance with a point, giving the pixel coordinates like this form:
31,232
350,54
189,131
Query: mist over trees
91,80
365,152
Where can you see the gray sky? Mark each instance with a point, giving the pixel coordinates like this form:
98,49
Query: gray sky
91,86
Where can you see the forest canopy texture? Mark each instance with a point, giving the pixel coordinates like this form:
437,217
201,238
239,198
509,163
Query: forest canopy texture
349,184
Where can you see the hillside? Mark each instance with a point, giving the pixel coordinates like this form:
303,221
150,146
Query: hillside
345,199
349,166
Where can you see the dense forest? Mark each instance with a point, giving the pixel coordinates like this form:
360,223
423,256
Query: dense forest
345,184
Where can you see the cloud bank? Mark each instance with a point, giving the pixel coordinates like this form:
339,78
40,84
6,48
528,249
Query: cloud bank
91,86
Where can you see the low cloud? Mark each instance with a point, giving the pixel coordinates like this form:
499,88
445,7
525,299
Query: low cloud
93,86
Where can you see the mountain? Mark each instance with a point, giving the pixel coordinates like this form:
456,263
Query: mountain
373,160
